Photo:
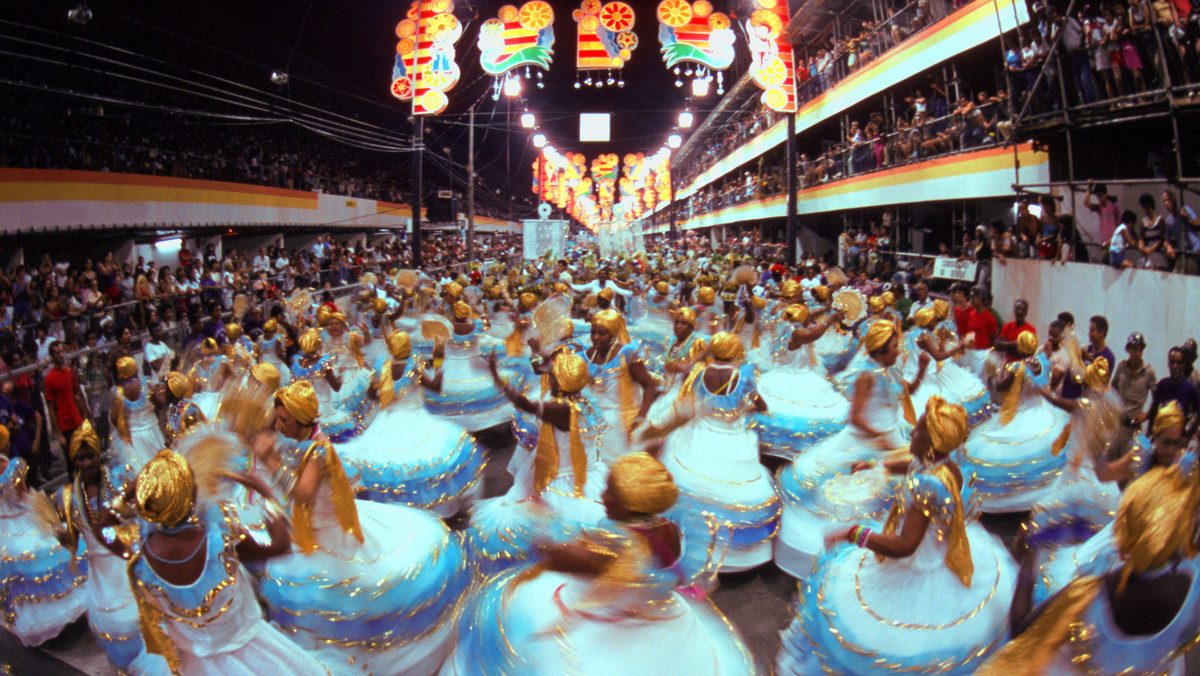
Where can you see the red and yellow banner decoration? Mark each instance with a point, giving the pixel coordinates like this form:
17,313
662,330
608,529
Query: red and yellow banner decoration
605,35
694,35
519,37
771,61
425,69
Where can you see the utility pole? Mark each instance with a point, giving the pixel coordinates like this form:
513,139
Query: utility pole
792,187
418,156
471,185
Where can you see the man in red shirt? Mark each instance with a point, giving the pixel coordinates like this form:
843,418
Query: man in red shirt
1006,342
64,401
981,322
962,309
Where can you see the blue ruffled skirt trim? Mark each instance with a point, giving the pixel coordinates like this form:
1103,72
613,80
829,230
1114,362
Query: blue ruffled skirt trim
428,486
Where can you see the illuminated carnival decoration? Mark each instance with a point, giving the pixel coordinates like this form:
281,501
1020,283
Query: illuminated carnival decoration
519,38
771,63
605,41
605,172
425,69
696,41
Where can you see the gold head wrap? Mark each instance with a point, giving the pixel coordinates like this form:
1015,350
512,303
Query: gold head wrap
233,331
877,337
925,318
1154,521
726,347
607,293
642,484
379,305
614,323
336,316
875,305
1169,415
941,309
84,435
310,342
571,372
947,424
821,292
461,311
324,315
126,368
208,347
687,314
789,288
454,289
1096,375
399,344
528,300
706,295
165,489
559,287
300,401
179,384
662,288
270,327
796,313
889,298
3,438
266,374
1027,343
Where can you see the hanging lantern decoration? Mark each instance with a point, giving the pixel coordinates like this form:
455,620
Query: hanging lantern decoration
425,69
519,38
605,42
771,62
696,42
605,173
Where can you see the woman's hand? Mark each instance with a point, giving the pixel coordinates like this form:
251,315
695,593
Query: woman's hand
862,465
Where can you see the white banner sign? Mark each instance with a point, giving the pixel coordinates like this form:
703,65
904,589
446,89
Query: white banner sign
952,268
542,235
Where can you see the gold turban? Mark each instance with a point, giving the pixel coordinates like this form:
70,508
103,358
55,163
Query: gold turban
399,344
925,317
559,287
571,372
1096,375
688,315
790,288
726,347
379,305
3,438
1027,343
461,311
208,346
324,314
821,292
875,304
84,435
614,323
310,342
706,295
338,316
889,298
454,289
796,313
179,384
662,288
233,331
300,401
1153,522
270,327
941,309
266,374
606,293
165,489
529,300
126,368
947,424
642,484
878,336
1169,415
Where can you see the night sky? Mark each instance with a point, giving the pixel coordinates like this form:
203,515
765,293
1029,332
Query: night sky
339,53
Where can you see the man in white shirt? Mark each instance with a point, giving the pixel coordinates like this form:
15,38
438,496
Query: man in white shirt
564,273
262,262
601,282
922,301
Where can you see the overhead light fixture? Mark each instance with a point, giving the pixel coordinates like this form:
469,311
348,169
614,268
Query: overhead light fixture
686,119
700,87
279,77
539,140
79,15
674,141
512,86
169,244
527,120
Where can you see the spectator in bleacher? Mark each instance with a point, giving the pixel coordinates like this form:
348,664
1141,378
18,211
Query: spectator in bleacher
64,401
1176,387
1157,252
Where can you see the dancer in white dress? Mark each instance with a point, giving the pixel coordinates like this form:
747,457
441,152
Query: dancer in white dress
467,397
622,388
270,350
134,416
